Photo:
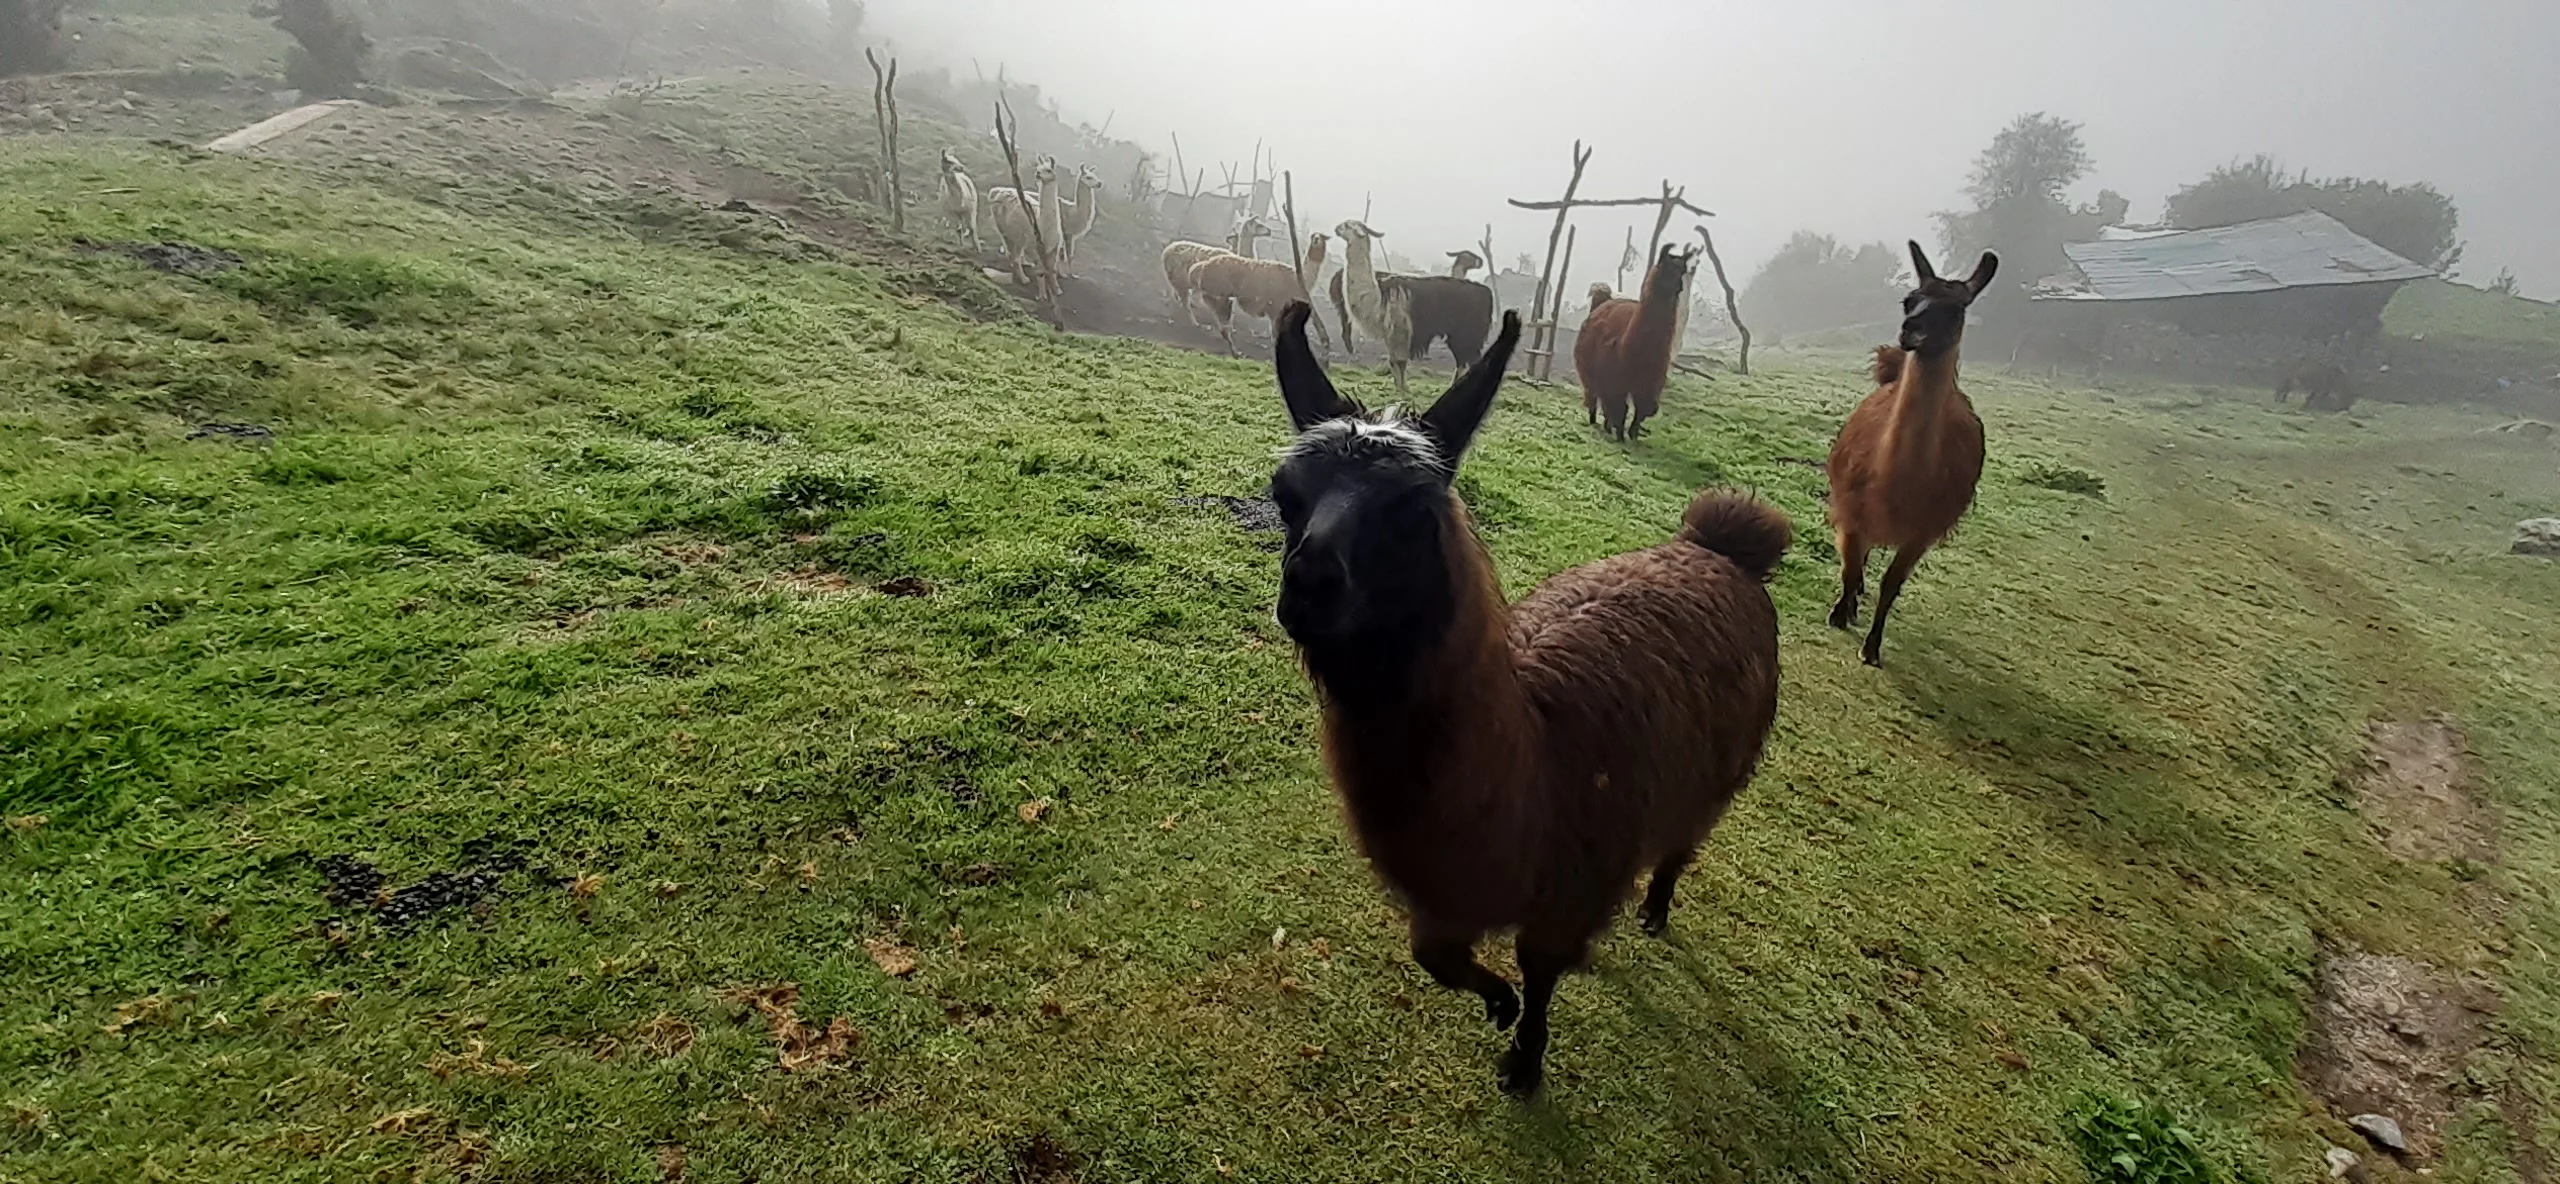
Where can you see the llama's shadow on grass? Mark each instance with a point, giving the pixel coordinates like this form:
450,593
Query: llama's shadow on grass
1736,1102
2078,761
1679,469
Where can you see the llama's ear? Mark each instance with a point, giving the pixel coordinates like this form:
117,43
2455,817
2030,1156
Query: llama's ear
1982,273
1921,272
1303,385
1452,422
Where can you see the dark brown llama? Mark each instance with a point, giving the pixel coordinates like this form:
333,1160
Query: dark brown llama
1513,767
1904,468
1623,353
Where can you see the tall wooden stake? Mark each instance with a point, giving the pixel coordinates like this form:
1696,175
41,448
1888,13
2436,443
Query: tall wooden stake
1047,277
1539,306
884,114
1743,365
1298,256
1555,330
1671,200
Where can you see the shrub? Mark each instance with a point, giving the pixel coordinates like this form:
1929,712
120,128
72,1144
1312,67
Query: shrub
30,36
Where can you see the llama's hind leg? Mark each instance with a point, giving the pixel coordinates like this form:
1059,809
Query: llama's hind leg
1655,914
1904,559
1452,963
1524,1067
1853,580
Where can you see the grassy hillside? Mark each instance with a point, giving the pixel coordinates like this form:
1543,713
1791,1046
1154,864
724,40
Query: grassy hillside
622,621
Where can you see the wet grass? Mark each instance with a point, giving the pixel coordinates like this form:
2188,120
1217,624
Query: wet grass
613,625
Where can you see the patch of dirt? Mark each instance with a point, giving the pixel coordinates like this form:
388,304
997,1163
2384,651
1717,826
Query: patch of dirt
174,258
2389,1037
801,1047
2415,789
1041,1159
1253,515
356,885
233,431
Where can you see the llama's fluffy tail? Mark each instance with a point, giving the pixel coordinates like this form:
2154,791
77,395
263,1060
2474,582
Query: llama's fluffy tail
1750,532
1888,367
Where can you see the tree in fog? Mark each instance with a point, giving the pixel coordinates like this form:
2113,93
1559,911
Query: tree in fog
30,32
2018,208
328,59
844,26
1818,282
2415,222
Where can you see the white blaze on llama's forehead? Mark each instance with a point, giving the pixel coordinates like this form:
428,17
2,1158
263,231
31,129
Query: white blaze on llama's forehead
1391,437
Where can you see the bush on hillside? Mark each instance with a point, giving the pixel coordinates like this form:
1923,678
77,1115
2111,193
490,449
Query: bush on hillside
1818,282
30,36
328,61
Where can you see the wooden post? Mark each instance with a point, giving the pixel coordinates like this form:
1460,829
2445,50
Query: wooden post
1555,318
1047,280
1546,275
1671,200
1731,313
1179,172
884,119
1298,257
1626,257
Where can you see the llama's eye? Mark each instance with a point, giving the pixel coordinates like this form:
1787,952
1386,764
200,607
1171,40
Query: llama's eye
1910,303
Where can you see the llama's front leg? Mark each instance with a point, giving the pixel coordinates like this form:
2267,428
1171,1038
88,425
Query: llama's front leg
1904,559
1853,580
1398,365
1452,964
1524,1068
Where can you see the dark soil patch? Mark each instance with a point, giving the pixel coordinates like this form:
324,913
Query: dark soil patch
1253,515
2389,1036
1041,1159
354,884
232,431
174,258
2415,790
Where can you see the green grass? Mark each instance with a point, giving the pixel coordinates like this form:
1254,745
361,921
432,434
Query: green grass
571,576
2440,309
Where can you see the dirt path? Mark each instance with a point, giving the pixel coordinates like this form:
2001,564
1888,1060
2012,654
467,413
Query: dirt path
276,127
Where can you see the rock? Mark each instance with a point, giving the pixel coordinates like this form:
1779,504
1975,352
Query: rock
2379,1128
2341,1161
2537,536
2531,429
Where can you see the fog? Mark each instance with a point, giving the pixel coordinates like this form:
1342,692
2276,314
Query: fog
1854,119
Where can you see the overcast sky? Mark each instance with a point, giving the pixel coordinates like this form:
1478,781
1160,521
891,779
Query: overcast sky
1857,119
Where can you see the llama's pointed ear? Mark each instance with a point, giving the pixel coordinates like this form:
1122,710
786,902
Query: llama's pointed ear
1921,272
1303,385
1982,273
1452,422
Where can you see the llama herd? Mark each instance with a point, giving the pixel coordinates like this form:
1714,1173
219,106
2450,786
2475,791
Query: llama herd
1061,221
1516,766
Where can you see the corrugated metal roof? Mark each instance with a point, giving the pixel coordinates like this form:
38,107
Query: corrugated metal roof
2305,250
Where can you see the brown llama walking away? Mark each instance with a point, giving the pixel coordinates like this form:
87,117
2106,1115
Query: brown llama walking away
1623,354
1513,767
1905,466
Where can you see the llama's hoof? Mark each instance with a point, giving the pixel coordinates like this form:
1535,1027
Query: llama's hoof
1872,656
1502,1009
1844,615
1521,1072
1654,922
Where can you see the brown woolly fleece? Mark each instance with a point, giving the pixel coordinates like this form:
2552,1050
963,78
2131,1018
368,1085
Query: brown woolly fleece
1623,353
1540,757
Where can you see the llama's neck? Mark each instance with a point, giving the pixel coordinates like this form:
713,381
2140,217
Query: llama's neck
1921,395
1441,741
1050,209
1360,287
1086,206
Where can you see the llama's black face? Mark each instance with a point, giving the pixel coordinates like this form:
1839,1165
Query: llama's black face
1669,275
1366,504
1365,500
1933,314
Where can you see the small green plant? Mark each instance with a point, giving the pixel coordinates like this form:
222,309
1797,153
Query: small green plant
2065,479
2125,1142
807,492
